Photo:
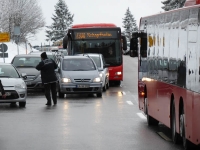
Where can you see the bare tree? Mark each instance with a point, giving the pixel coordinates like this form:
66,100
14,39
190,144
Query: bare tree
23,13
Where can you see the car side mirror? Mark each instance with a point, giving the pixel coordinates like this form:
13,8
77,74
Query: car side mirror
24,76
100,69
106,65
57,70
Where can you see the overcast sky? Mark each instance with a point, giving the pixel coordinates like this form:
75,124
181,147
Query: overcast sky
98,11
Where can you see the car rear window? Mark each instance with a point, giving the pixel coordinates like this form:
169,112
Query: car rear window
78,65
26,61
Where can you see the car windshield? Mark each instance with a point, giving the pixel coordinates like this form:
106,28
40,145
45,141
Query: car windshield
78,65
97,60
8,71
26,61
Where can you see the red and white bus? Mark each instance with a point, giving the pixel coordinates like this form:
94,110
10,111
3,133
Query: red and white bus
169,71
98,38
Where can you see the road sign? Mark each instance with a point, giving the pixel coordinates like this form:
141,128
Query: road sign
3,55
3,48
4,37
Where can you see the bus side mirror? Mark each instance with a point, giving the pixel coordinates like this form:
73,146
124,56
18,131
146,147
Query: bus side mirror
124,43
65,40
143,44
134,45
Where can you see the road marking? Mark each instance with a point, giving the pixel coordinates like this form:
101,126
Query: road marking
141,115
129,102
124,93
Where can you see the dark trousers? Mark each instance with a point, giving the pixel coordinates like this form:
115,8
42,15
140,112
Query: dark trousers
50,92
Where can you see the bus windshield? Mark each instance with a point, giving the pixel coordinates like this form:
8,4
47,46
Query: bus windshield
109,48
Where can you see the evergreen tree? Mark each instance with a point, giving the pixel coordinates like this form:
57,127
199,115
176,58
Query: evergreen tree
129,24
172,4
62,20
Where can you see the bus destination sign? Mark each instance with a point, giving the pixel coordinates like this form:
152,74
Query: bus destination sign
95,35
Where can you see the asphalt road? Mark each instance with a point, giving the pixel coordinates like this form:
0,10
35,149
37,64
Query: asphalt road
82,122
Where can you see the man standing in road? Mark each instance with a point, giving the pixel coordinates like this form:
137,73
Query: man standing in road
48,76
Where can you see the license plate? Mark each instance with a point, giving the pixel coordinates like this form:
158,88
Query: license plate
7,94
28,83
83,86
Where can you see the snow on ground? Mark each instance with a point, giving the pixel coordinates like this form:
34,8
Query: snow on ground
13,50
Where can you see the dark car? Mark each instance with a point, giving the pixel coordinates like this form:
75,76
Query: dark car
26,64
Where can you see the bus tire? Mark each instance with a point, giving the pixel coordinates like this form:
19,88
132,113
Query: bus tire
150,120
186,143
118,83
175,135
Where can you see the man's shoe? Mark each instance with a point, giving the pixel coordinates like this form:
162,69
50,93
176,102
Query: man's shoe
48,104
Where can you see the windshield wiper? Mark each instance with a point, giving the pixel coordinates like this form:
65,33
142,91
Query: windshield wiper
4,76
78,70
25,66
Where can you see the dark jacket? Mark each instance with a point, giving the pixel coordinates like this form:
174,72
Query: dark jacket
1,88
47,68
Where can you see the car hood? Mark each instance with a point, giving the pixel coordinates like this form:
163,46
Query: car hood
11,81
28,71
81,74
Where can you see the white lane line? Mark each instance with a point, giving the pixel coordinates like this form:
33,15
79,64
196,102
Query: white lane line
124,93
129,102
141,115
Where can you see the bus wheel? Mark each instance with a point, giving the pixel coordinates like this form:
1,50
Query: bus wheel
118,83
145,105
150,120
186,143
175,135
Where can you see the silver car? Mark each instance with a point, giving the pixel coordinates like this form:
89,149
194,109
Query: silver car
14,85
78,74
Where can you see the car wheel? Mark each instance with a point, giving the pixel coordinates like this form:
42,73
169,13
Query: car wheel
22,104
61,95
107,85
104,87
99,94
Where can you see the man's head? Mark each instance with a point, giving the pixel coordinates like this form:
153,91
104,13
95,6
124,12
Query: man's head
43,55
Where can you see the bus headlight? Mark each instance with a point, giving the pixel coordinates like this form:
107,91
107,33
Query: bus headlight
118,73
66,80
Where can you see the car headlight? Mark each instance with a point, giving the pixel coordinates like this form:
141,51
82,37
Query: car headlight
20,86
66,80
98,79
118,73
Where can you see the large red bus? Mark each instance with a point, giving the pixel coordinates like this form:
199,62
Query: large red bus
98,38
168,44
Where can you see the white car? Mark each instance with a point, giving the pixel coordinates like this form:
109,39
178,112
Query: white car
14,85
101,64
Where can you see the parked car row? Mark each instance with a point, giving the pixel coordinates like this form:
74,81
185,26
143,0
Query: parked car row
83,73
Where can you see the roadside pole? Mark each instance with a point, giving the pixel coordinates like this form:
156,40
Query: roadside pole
3,53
